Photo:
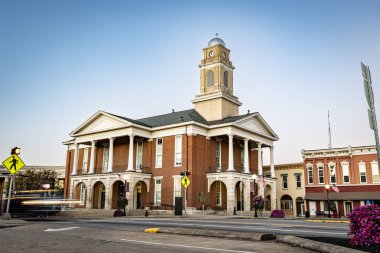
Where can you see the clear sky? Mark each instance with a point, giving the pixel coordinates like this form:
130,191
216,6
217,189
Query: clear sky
61,61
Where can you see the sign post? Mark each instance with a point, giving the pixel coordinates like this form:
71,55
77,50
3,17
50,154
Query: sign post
185,182
371,104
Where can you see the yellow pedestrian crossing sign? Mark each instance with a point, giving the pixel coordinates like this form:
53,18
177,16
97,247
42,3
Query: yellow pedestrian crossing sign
13,164
185,181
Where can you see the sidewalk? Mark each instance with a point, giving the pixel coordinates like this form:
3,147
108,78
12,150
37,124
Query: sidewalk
12,223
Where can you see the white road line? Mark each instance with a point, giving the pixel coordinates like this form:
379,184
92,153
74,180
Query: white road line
59,229
187,246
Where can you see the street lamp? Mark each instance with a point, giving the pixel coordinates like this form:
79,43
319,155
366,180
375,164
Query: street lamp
254,177
327,186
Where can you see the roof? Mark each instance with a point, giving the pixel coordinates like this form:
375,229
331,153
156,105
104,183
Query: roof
229,119
174,118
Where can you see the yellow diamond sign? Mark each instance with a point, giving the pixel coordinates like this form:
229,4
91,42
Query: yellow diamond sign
13,164
185,181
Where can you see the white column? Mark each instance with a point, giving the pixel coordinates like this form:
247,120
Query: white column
89,195
107,201
247,197
272,162
110,156
92,159
246,162
230,152
130,157
231,200
75,166
259,162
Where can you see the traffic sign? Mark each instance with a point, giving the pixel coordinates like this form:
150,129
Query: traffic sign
185,181
13,163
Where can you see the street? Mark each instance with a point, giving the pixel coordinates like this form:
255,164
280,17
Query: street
126,235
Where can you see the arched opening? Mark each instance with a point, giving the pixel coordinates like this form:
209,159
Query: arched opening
239,195
300,206
99,198
268,198
218,195
140,195
80,195
287,204
118,191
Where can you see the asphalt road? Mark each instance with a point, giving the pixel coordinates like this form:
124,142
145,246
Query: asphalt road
119,235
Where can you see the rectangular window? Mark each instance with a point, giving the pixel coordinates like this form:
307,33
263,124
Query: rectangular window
218,155
82,194
242,157
139,153
284,181
105,159
178,151
321,175
157,192
159,153
218,193
346,173
177,188
85,159
375,172
298,180
332,174
310,174
362,171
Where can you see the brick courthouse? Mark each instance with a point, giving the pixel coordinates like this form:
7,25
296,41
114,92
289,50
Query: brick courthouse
218,146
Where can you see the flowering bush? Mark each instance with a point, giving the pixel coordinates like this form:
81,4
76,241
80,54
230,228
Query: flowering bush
258,203
118,213
277,214
365,225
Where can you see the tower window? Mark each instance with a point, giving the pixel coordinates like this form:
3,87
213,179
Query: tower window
226,79
210,78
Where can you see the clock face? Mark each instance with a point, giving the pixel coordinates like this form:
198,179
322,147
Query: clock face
224,54
211,53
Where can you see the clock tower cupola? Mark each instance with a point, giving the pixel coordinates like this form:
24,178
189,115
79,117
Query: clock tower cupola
216,99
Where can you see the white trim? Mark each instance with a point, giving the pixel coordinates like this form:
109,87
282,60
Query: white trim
361,164
375,168
344,164
176,164
178,179
321,165
137,154
159,165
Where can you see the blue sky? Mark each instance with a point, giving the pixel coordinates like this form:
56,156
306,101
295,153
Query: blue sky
61,61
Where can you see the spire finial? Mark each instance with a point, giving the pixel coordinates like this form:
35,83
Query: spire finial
216,35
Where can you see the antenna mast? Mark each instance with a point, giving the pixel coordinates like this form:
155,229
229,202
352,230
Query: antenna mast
328,117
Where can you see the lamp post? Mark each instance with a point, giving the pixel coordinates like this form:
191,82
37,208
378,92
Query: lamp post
327,186
254,177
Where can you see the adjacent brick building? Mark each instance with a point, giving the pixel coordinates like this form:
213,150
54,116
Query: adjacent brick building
218,146
353,171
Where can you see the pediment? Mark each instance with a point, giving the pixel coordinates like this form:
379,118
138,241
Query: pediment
100,122
256,123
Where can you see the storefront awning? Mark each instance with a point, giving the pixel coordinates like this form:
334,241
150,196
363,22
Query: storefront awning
344,196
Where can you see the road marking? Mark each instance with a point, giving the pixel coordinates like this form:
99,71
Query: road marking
187,246
59,229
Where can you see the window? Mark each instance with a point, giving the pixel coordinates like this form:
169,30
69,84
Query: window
242,157
85,159
346,171
332,173
139,155
362,171
177,187
218,193
298,180
375,172
210,78
218,155
157,192
159,153
321,175
105,158
284,181
310,173
82,194
225,79
178,151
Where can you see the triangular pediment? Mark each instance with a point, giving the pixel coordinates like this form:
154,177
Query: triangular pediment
256,123
99,122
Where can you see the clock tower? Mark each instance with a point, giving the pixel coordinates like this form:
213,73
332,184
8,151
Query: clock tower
216,100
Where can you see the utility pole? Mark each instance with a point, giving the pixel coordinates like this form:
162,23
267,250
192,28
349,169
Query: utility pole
371,103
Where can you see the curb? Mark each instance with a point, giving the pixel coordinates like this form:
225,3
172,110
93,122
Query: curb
313,245
221,234
329,221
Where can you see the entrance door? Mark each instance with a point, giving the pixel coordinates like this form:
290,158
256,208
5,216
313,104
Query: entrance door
138,200
102,197
302,209
348,207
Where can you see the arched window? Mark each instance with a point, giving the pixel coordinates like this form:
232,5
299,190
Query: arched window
210,78
226,79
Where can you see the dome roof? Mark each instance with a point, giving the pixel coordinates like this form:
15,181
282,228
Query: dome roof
216,41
